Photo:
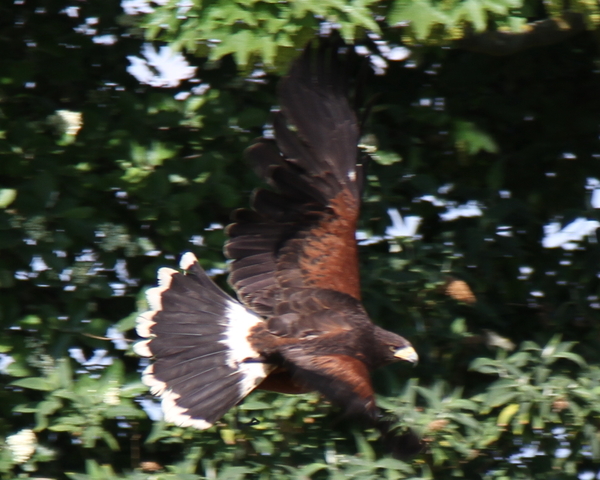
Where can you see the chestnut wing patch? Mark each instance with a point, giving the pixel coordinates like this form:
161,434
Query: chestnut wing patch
302,234
325,255
342,379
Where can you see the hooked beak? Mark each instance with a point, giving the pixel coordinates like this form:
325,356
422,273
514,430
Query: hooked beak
407,354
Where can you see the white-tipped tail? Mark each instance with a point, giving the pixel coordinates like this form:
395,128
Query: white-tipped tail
200,341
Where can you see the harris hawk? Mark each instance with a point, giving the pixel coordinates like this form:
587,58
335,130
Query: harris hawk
298,324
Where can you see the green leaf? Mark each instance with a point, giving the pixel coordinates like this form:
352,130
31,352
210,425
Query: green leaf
386,157
466,420
91,434
364,447
233,473
474,139
519,359
578,359
35,383
50,406
498,7
64,373
497,398
123,411
394,464
62,427
420,14
252,404
523,418
537,422
475,12
110,441
309,470
507,414
459,327
7,196
484,365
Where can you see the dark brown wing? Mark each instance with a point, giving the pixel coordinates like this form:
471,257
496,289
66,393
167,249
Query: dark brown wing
342,379
303,234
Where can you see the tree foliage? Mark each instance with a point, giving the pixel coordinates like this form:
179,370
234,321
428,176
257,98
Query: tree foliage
104,179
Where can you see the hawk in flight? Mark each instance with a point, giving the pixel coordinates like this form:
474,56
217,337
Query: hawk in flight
298,324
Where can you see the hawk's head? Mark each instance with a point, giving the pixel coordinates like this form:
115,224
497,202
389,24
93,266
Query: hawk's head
392,347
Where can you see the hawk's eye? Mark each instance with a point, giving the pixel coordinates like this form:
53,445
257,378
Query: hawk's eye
393,349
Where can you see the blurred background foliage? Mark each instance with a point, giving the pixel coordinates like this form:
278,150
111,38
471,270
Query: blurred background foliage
484,124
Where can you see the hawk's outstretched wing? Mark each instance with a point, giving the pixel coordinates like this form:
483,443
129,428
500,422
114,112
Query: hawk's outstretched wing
303,234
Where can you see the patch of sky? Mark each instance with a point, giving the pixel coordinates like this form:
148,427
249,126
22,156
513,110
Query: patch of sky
593,184
384,52
184,6
197,240
525,272
37,264
563,451
123,273
5,361
152,408
99,359
118,289
65,275
454,211
198,90
135,7
594,303
71,11
87,255
504,231
87,28
163,68
117,338
469,209
108,39
182,95
408,226
568,236
397,54
400,227
213,272
528,451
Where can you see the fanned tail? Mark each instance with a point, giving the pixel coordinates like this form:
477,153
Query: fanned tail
198,336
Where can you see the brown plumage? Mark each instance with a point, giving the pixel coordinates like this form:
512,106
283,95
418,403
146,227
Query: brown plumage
295,269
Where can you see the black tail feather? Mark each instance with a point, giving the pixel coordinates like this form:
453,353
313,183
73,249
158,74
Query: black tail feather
197,336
